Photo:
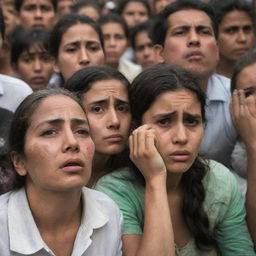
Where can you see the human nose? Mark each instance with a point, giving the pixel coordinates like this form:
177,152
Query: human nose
113,120
241,37
83,57
112,42
38,13
193,38
70,142
180,135
37,65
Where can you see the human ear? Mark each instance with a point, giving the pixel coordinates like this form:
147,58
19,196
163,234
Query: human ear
18,163
158,49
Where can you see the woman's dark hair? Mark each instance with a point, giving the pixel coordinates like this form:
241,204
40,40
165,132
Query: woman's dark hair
22,120
122,4
142,27
246,60
82,81
82,3
18,4
161,25
23,39
145,89
64,24
114,18
222,8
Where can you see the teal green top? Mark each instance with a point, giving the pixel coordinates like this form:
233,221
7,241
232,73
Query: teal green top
224,205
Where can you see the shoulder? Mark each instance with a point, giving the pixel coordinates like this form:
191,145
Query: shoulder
218,177
219,87
120,180
15,83
102,201
222,192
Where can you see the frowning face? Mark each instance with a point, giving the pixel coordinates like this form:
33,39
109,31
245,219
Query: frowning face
58,149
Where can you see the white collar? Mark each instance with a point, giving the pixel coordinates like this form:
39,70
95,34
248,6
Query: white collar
25,237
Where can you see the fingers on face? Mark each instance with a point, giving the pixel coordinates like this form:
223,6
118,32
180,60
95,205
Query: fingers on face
142,141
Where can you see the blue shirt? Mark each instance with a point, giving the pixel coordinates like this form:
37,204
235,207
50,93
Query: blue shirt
220,134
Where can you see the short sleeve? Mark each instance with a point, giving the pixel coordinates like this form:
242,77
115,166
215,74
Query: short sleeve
230,228
128,195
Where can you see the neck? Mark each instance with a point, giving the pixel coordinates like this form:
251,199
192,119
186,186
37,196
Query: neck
225,67
99,166
173,183
203,82
49,208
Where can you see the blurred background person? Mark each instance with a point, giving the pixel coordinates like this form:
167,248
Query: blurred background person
142,45
87,7
36,13
134,11
235,32
76,42
116,37
31,58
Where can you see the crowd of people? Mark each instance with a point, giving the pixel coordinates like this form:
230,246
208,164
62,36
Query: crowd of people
127,127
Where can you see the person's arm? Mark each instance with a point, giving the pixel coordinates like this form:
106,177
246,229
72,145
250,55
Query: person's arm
157,237
244,115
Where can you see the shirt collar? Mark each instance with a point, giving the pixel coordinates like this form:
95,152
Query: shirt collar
93,217
25,237
216,90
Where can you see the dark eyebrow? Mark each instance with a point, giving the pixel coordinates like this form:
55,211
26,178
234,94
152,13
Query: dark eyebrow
198,27
57,121
103,101
171,114
194,116
164,115
76,43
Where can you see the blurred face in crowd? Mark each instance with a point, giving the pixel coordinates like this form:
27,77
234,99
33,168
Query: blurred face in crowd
108,112
190,42
89,11
64,7
135,13
115,42
35,67
236,35
37,14
80,47
144,51
10,16
247,78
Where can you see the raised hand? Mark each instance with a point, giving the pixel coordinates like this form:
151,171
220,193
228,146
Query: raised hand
144,152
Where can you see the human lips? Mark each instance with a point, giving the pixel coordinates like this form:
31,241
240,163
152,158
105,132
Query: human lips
194,55
72,165
180,156
38,80
114,138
